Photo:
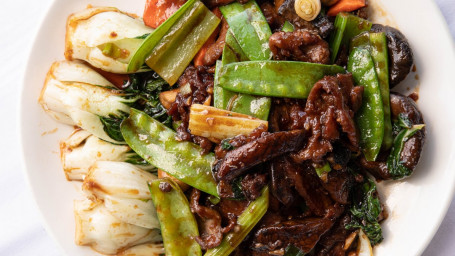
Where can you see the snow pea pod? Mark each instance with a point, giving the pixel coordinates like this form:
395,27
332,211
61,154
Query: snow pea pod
250,29
347,26
178,225
258,107
370,116
376,43
288,79
246,222
287,27
156,143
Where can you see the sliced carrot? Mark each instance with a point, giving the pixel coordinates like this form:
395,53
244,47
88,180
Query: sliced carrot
157,11
199,58
346,6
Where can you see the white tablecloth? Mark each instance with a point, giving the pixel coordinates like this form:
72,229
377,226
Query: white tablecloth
21,230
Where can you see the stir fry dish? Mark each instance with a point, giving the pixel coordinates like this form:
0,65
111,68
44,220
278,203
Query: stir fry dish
217,127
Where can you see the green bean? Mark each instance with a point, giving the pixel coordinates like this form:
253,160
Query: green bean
156,143
178,224
370,117
289,79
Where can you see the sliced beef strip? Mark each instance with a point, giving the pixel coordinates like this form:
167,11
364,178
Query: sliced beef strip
209,223
338,185
301,45
238,161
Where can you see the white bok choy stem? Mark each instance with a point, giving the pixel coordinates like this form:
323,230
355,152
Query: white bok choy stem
81,150
105,37
124,190
144,250
98,228
75,94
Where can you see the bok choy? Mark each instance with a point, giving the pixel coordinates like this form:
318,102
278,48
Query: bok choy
123,188
98,228
105,37
81,150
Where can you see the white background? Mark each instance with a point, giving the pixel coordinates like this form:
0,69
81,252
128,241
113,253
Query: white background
21,230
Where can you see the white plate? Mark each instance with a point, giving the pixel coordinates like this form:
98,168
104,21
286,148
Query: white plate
416,206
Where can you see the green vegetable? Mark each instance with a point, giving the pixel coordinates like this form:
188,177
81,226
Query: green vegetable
289,79
258,107
156,143
365,211
249,28
178,224
287,27
169,50
376,43
396,168
246,222
148,86
370,117
111,125
291,250
155,37
226,145
324,169
347,26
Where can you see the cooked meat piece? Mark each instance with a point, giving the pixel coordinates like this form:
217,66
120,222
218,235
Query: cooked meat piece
201,85
401,57
271,15
337,235
230,210
324,25
339,157
266,147
307,184
281,182
326,111
412,149
239,141
301,45
209,223
252,185
287,114
215,50
338,185
303,234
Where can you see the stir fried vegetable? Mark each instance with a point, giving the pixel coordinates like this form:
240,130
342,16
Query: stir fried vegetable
105,37
289,79
365,212
170,49
347,26
370,117
217,124
246,221
178,225
157,144
250,29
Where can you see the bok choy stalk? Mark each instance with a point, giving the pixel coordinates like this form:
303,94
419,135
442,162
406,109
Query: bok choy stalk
217,125
144,250
75,94
123,188
104,37
172,46
98,228
81,150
